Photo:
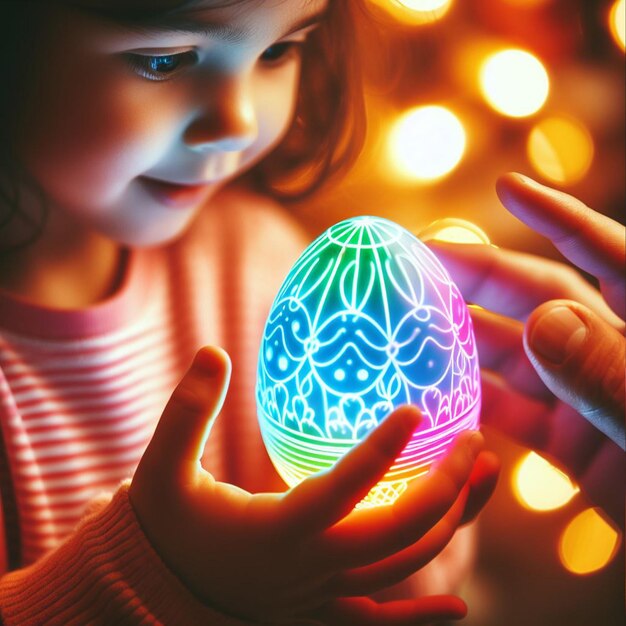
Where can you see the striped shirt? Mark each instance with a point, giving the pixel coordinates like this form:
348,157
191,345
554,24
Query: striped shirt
81,391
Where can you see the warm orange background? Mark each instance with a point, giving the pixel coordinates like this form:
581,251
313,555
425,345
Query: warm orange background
519,580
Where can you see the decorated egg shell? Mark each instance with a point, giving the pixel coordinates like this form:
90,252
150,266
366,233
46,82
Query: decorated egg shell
366,320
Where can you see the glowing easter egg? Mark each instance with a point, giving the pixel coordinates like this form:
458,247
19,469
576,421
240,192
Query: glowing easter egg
366,320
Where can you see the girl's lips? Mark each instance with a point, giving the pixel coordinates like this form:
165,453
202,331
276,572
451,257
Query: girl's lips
175,195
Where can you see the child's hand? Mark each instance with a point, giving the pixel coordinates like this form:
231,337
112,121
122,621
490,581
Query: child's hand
581,426
305,554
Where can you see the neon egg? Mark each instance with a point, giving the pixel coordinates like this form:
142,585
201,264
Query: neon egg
366,320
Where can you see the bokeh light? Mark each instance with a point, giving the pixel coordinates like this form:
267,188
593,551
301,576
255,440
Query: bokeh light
617,22
415,11
514,82
454,230
560,149
540,486
526,3
563,124
426,143
588,543
424,5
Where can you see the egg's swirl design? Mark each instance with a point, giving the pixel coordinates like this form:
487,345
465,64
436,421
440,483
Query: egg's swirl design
367,320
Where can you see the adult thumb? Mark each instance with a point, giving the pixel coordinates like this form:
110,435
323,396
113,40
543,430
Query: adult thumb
581,359
179,439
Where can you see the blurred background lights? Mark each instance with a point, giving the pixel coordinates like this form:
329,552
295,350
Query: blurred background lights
533,86
526,3
424,5
560,149
514,82
426,143
588,543
415,11
454,230
540,486
617,22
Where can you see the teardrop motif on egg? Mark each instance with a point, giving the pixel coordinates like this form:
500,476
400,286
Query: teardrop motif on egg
366,320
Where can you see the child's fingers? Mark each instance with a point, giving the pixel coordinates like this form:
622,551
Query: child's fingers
322,500
366,580
367,612
482,484
180,436
371,578
369,535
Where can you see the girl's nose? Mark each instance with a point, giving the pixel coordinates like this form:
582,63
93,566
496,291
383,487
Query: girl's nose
227,122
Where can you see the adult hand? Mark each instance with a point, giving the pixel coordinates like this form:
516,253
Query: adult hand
552,346
305,556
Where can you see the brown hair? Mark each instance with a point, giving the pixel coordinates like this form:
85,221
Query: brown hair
329,126
324,140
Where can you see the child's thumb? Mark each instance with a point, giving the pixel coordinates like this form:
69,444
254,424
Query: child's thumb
179,439
581,359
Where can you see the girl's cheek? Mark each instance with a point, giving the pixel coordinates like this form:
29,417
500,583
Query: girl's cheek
275,105
105,127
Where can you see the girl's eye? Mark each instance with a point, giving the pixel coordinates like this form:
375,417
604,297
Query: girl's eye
280,52
162,66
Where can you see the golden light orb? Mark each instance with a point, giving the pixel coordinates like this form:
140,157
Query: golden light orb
617,22
588,543
560,149
415,12
526,3
540,486
424,5
514,82
426,143
455,230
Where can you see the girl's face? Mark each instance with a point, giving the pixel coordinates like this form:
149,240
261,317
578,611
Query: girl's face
129,130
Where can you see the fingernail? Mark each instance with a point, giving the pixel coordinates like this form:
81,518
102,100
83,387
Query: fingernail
557,334
526,180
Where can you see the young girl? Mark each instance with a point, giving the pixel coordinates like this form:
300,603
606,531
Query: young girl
144,144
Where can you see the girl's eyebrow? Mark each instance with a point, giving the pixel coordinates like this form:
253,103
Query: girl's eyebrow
175,24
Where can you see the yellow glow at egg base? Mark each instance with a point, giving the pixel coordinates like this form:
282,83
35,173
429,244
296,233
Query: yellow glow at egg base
367,320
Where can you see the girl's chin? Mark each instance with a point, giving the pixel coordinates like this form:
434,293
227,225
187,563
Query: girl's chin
158,232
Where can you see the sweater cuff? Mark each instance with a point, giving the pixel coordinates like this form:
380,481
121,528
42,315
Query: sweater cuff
105,573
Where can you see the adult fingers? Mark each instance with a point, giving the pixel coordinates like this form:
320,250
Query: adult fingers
561,435
556,431
513,283
581,359
369,535
325,498
590,240
178,441
501,349
367,612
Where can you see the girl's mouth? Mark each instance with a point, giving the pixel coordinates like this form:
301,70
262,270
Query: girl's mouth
175,195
